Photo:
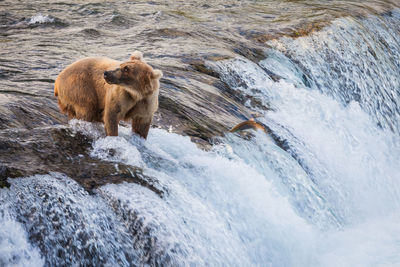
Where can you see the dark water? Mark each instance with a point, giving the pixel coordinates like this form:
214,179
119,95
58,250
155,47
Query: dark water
323,191
38,39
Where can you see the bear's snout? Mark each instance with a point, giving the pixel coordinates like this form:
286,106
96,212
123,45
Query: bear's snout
108,77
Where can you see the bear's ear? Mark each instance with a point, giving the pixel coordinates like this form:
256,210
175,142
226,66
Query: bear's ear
136,56
156,74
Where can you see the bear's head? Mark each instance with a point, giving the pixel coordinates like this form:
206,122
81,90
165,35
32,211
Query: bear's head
135,74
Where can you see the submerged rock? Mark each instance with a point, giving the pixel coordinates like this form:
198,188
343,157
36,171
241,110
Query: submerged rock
60,149
24,110
199,105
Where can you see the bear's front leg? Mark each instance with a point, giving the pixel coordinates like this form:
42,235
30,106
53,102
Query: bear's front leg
111,116
141,125
111,122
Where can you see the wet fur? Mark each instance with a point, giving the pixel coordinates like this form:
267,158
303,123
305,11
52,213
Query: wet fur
130,92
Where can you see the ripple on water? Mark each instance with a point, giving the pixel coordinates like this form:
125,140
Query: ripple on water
91,33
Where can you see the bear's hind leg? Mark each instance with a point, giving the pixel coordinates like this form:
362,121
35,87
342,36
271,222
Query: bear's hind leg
85,113
67,109
62,107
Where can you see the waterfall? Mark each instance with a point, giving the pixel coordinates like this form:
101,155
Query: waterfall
353,60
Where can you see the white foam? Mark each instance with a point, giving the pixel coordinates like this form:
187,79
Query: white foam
354,60
374,243
113,148
92,129
356,158
15,249
352,168
40,19
255,84
218,210
70,226
340,145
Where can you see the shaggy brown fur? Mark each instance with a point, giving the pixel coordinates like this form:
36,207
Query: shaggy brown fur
106,90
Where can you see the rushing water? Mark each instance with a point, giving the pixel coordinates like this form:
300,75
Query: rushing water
324,190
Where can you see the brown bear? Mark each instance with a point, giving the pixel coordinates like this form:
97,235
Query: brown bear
106,90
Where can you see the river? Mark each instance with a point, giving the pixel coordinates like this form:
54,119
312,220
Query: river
321,189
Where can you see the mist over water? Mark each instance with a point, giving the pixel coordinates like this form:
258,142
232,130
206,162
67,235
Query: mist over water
321,190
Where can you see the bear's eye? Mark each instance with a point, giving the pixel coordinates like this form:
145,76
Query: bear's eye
125,69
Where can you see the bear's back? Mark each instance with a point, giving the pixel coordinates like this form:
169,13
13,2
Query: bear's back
91,66
82,84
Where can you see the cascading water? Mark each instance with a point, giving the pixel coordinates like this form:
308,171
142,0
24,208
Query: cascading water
330,196
354,60
336,108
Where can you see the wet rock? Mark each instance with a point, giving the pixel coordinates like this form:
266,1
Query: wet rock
191,122
241,98
23,110
60,149
200,112
252,53
199,65
294,31
4,174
